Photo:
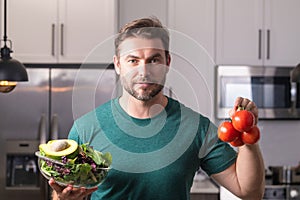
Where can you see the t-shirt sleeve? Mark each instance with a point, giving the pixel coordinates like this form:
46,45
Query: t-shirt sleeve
73,135
215,155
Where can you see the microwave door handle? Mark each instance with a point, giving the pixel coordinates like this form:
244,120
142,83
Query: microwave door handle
54,127
43,129
293,97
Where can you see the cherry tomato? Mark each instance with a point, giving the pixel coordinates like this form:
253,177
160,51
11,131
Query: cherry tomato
243,120
251,136
226,132
237,142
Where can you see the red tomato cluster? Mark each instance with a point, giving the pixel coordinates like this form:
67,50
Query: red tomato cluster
241,130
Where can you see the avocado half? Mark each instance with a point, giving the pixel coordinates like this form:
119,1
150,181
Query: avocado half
58,148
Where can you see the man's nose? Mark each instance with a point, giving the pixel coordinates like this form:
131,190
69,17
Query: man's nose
143,69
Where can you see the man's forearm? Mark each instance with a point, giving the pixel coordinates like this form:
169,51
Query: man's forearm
250,171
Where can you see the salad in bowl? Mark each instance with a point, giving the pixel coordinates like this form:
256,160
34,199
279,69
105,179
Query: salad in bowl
69,163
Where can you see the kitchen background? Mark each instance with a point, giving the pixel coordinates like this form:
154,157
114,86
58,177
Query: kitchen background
228,30
65,33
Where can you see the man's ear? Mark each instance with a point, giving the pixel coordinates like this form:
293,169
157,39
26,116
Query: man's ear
168,62
117,64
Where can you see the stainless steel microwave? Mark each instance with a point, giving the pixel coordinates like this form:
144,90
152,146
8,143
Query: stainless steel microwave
269,87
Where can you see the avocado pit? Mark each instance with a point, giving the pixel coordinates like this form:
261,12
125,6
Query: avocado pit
59,145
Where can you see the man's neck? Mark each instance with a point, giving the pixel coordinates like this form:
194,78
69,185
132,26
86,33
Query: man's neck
143,109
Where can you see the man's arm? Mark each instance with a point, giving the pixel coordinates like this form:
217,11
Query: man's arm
246,177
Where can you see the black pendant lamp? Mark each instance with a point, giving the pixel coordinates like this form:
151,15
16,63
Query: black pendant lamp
11,70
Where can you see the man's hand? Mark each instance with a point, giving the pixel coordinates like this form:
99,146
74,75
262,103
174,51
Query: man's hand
69,192
247,105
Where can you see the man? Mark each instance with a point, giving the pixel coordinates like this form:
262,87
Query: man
157,143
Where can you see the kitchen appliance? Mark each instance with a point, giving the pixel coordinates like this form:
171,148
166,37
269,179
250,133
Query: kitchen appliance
269,87
283,182
285,175
41,109
272,192
22,177
282,192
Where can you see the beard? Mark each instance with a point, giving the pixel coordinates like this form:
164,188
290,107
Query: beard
143,94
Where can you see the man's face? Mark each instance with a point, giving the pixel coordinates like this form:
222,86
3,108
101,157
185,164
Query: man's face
142,66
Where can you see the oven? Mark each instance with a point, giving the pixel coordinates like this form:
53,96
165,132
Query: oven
283,182
282,192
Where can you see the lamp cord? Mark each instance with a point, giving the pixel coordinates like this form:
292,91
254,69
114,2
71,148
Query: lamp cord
5,36
5,51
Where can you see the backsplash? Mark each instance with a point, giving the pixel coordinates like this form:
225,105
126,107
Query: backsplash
280,142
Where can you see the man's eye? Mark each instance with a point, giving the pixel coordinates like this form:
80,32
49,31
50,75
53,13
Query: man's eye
154,60
132,61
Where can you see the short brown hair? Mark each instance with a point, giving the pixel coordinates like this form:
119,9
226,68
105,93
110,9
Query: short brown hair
145,27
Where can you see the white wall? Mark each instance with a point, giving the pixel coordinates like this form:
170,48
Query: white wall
280,142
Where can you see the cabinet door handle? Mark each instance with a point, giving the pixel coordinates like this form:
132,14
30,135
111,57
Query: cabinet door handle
53,40
268,43
259,43
62,39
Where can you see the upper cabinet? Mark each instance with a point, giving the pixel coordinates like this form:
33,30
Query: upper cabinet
135,9
192,28
196,20
61,31
258,32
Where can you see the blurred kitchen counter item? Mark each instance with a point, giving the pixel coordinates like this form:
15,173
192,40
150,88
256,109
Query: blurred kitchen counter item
204,189
226,195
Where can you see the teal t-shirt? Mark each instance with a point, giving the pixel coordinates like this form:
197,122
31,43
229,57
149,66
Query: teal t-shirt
155,158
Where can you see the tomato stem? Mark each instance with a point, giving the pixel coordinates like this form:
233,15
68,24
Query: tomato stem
240,108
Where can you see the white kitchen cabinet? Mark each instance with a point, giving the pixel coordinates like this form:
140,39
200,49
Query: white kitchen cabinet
258,32
282,20
195,19
60,31
134,9
191,73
